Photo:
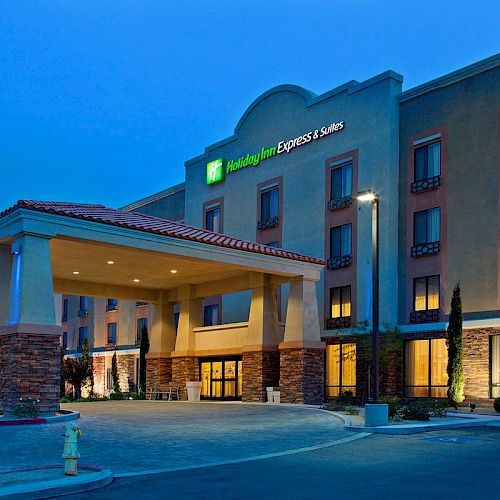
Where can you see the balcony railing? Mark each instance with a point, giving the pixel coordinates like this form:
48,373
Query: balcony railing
268,223
426,316
336,323
338,262
425,249
139,303
83,313
111,307
110,345
338,203
426,184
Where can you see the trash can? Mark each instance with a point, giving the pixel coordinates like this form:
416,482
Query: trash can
193,390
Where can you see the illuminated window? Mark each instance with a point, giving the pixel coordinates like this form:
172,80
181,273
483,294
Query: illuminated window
427,226
425,368
212,219
340,369
340,301
269,204
427,161
341,182
211,315
340,241
495,366
426,293
111,333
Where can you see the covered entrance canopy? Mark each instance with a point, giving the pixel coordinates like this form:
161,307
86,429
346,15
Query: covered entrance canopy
51,247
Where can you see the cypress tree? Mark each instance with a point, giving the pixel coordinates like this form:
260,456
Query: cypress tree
454,342
114,375
88,366
143,350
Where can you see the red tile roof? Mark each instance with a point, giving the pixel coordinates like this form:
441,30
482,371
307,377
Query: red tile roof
156,225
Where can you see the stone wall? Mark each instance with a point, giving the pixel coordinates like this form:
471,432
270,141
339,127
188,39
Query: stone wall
183,370
126,372
99,364
30,368
158,371
302,376
261,369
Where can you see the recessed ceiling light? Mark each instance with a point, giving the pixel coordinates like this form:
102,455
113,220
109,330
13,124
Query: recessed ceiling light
111,261
135,280
173,271
76,272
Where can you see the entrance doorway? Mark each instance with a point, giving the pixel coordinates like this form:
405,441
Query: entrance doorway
221,378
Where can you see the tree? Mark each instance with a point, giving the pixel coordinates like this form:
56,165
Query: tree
75,371
88,362
114,375
143,350
454,342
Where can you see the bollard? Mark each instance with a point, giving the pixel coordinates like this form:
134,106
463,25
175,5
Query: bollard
70,454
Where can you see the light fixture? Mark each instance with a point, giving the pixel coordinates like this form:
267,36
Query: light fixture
76,272
366,196
173,271
111,261
135,280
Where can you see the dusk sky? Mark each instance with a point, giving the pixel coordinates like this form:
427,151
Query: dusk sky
103,101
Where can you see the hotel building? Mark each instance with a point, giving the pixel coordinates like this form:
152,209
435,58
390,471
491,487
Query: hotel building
287,178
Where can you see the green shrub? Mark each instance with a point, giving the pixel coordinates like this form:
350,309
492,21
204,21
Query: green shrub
27,408
65,399
134,395
496,404
346,398
393,404
116,396
416,411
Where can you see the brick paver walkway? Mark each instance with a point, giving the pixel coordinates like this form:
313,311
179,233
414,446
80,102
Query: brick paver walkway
131,436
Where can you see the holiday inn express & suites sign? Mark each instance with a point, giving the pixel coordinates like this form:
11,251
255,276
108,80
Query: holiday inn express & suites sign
217,169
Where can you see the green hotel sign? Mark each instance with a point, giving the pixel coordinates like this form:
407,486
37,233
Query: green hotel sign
217,169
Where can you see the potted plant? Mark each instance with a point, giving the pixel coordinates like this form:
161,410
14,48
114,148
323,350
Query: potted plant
276,394
193,390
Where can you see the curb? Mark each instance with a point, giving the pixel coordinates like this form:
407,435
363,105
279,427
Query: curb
66,416
58,487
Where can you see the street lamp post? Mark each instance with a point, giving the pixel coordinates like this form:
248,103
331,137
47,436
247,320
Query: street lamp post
373,198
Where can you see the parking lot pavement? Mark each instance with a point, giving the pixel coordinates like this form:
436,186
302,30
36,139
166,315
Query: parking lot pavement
129,436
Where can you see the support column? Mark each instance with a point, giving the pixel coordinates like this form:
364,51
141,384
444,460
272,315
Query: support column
161,345
29,337
302,353
184,362
261,356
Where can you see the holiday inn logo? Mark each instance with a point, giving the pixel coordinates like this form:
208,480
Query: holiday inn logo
215,171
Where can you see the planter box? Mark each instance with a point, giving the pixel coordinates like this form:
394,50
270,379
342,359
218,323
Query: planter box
193,390
276,396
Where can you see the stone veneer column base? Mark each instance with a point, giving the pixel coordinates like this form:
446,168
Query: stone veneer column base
30,368
261,369
183,370
158,371
302,375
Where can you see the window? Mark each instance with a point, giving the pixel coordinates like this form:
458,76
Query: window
141,324
340,240
65,340
341,182
111,305
427,161
495,366
212,219
340,301
82,335
340,369
426,293
109,379
426,229
269,208
83,307
176,321
211,315
111,333
425,368
65,311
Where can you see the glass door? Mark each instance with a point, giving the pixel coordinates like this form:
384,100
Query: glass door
221,378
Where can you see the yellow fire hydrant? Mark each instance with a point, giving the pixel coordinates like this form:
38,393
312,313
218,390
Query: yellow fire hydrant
70,454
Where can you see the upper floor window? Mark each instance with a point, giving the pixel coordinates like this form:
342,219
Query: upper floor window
425,299
426,232
65,340
340,307
269,208
65,311
142,326
111,339
82,335
427,167
341,182
340,246
83,311
111,305
212,219
211,315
